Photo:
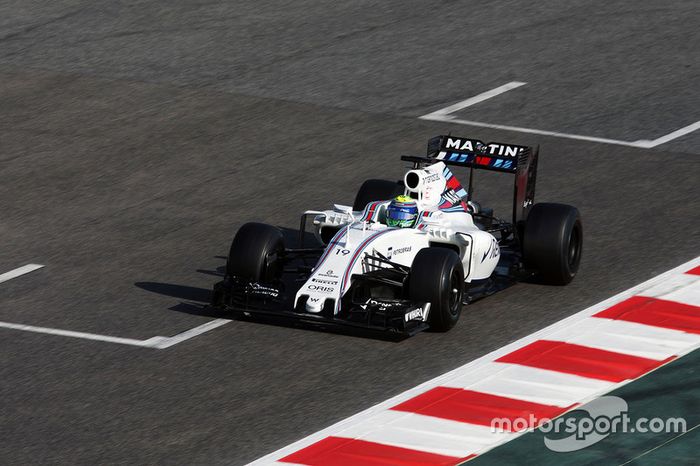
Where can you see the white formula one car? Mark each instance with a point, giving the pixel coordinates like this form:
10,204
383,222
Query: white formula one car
372,276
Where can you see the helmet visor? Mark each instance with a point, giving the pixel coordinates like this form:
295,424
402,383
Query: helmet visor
396,214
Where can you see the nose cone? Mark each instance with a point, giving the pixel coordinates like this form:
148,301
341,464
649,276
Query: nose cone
314,304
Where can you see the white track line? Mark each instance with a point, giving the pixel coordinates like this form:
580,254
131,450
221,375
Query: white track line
520,129
671,136
446,378
19,271
661,445
156,342
83,335
474,100
445,115
180,337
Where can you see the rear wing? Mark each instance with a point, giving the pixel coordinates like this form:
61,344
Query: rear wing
474,153
520,161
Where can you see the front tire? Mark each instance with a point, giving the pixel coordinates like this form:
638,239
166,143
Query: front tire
256,253
437,277
553,242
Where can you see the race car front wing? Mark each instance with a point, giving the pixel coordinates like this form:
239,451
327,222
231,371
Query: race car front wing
358,310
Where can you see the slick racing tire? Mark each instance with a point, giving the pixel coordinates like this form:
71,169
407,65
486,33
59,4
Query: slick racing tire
256,253
553,242
437,277
376,190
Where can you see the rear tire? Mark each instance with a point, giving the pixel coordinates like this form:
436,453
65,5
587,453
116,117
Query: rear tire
256,253
376,190
553,242
437,277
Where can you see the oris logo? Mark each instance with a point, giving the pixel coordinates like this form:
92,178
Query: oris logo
321,289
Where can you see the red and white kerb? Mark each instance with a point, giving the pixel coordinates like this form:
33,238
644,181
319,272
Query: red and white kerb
447,420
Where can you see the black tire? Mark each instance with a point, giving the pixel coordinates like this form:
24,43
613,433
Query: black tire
553,242
256,253
376,190
327,234
437,277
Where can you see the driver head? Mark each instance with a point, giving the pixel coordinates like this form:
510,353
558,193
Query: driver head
402,212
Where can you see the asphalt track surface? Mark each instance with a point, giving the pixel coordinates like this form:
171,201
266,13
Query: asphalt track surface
136,137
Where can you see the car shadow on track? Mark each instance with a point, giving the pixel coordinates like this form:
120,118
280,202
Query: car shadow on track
189,293
193,299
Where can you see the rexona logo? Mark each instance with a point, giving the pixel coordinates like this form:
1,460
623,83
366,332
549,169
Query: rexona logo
477,147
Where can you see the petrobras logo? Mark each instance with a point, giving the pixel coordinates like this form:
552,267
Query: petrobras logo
477,147
391,252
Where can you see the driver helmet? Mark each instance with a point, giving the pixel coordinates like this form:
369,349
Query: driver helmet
402,212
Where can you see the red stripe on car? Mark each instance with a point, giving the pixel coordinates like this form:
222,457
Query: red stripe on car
371,210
